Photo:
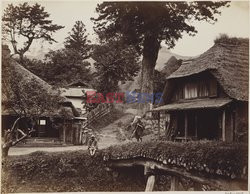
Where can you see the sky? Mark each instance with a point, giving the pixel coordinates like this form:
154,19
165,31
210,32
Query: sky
233,21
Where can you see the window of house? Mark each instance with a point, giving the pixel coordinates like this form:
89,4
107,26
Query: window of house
42,122
203,89
213,88
179,93
190,90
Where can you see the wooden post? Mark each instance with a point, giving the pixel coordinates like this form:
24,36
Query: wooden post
148,169
197,186
159,123
64,132
224,125
196,126
174,184
150,183
232,126
186,126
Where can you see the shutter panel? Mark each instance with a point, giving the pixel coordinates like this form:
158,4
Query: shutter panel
213,88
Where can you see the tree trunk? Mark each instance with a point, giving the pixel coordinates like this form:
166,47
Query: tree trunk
5,151
21,57
151,48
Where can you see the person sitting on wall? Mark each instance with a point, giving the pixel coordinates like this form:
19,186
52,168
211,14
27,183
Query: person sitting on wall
92,145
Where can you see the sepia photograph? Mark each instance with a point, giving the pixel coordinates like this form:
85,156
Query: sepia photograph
124,96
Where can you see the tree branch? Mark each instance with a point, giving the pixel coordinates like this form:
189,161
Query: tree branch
23,137
19,130
14,125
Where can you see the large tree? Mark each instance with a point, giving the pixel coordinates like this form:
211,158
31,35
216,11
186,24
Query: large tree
78,40
114,62
65,66
68,64
24,23
147,24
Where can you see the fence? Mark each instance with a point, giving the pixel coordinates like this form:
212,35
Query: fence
100,111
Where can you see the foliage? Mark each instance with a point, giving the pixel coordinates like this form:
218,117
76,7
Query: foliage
159,81
30,23
77,40
114,62
69,172
225,39
65,66
169,21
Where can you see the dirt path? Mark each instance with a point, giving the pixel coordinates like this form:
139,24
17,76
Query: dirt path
27,150
113,133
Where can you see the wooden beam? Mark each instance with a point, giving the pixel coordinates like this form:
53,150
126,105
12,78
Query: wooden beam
196,125
186,126
224,125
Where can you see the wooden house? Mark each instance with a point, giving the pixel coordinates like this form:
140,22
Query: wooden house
75,92
55,124
207,97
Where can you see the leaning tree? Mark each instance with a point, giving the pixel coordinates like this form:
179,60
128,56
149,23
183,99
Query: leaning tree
24,23
146,24
27,97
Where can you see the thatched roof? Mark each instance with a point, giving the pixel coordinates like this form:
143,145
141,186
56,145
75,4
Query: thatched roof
227,60
28,76
172,65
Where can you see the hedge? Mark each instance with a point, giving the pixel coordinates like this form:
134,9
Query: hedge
206,157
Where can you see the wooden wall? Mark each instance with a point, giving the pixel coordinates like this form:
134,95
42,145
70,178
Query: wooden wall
71,132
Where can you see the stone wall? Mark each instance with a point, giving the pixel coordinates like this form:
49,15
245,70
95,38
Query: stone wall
152,122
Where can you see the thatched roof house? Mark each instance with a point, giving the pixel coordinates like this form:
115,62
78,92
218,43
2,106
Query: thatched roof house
207,97
27,77
51,123
227,61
